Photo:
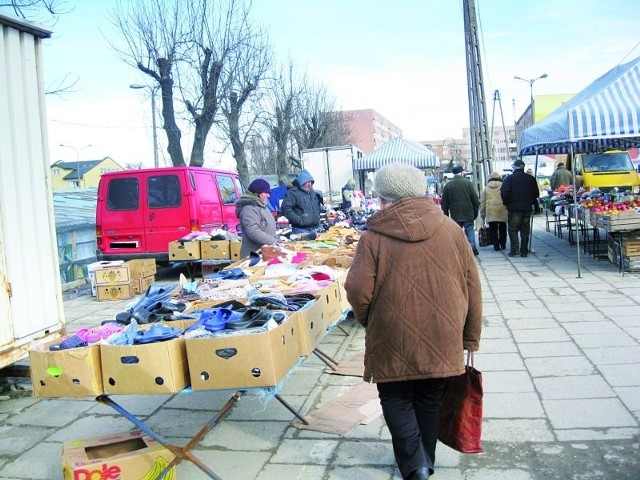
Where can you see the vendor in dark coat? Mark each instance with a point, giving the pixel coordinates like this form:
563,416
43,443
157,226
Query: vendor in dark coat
301,204
519,193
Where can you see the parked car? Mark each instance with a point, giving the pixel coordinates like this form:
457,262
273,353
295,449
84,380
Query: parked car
138,212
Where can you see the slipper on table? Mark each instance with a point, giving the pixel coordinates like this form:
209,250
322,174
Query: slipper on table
157,333
254,317
70,342
91,335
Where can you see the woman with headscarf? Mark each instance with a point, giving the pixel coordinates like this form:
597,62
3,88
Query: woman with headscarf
494,212
414,286
256,221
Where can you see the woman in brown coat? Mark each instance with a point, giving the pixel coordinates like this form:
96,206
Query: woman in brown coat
414,286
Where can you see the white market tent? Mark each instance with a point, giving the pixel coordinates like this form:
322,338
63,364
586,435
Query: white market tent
397,150
603,116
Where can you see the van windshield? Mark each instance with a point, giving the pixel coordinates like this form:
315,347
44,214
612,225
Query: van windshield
607,162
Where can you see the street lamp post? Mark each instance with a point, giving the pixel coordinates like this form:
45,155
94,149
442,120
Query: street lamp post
153,90
531,81
79,173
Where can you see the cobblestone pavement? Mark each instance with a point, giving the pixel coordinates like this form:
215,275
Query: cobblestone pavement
560,357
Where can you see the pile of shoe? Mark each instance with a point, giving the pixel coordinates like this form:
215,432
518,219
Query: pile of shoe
87,336
156,305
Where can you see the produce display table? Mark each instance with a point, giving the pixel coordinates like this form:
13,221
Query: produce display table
622,234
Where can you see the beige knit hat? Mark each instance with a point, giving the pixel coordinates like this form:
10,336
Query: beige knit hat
395,181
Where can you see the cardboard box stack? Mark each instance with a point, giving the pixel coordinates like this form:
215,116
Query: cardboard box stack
113,281
143,273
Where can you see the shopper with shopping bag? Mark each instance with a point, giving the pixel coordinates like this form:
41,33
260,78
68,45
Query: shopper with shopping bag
414,286
494,212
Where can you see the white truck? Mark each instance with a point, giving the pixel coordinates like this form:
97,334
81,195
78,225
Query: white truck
331,168
31,307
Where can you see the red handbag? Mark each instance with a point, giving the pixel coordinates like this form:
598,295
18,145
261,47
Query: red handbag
461,411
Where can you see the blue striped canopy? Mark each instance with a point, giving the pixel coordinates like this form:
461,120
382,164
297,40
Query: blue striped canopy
603,116
397,150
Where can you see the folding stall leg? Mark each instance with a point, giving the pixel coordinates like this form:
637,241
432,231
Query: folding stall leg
181,453
330,362
291,409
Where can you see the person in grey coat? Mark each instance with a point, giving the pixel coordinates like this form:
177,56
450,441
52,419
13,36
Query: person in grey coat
460,202
256,221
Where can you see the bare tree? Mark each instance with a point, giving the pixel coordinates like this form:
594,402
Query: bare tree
34,9
62,87
317,124
283,97
242,77
154,35
185,48
260,155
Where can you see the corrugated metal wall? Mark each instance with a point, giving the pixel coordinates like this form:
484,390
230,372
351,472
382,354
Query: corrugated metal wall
27,229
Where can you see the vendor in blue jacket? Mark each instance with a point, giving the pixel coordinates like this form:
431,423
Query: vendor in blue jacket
301,204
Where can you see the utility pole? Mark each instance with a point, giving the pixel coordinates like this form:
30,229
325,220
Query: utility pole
479,138
496,157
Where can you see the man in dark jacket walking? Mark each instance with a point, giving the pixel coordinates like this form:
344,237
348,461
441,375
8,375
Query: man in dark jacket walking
519,193
460,202
301,204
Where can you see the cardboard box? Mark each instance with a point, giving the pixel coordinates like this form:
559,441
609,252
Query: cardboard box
312,327
341,276
159,367
142,267
121,456
75,372
141,285
92,267
115,292
329,296
184,250
214,249
112,275
234,250
245,360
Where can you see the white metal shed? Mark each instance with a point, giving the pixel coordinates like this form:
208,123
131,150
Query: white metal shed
31,305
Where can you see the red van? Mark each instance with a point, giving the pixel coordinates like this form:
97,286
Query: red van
139,212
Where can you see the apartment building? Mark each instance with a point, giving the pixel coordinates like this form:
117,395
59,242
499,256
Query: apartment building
369,129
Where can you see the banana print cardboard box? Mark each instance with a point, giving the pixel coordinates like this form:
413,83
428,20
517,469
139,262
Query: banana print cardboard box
123,456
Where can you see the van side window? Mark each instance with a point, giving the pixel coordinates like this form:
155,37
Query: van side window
163,191
227,189
123,194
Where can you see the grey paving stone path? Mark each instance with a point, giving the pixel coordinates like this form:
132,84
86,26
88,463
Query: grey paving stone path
560,357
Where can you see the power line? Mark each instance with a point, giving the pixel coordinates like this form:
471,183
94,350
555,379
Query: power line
124,127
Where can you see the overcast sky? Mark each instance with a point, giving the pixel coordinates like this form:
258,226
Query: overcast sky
402,58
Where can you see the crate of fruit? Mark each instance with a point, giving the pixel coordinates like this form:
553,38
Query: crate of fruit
620,221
